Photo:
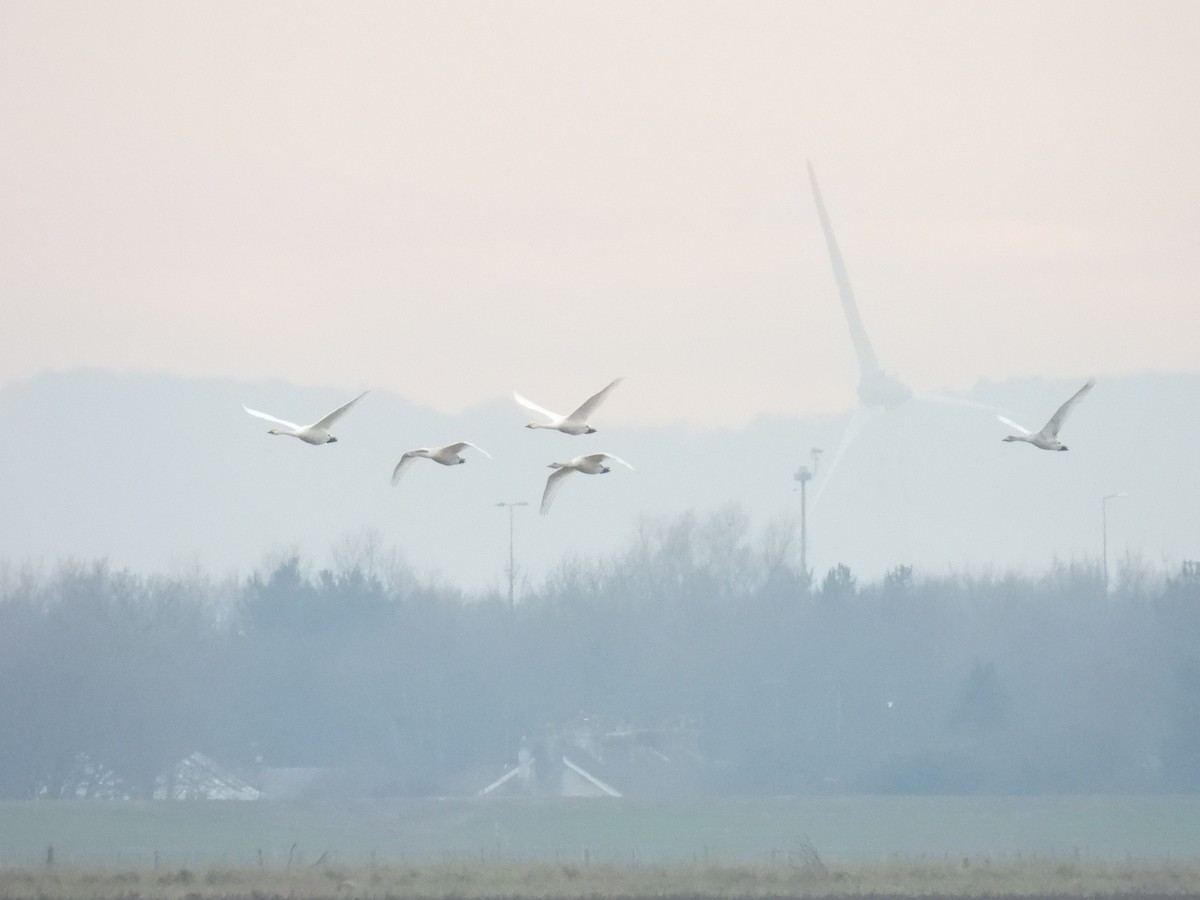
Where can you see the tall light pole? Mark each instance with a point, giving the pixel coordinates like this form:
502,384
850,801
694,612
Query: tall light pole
1104,532
804,475
512,571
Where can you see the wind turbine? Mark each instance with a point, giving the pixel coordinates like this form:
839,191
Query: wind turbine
876,388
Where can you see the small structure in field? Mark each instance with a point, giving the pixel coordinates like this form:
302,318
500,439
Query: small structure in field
198,777
587,757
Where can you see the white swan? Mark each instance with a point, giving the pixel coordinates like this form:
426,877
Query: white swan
576,422
447,456
592,464
1047,438
316,433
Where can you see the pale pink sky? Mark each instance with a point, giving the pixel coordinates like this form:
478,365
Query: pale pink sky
450,200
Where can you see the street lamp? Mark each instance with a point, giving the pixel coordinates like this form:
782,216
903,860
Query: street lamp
804,475
512,571
1104,532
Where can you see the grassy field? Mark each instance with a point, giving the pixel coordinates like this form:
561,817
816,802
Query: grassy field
800,877
713,848
618,831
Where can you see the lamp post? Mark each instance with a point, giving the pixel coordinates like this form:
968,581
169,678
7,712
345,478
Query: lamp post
1104,533
512,571
804,475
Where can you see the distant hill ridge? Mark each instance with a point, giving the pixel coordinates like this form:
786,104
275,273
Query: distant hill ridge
160,473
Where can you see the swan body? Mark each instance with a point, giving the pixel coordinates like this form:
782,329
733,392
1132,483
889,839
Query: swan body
447,456
592,464
316,433
1047,438
576,422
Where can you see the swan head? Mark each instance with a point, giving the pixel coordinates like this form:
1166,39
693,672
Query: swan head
590,430
332,440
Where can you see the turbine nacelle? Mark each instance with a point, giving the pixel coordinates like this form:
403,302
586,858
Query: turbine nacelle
881,389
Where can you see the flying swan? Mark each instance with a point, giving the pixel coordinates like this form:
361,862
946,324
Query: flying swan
1047,438
592,464
447,456
576,422
317,433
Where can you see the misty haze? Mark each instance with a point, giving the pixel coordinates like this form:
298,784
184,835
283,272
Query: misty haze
854,550
345,638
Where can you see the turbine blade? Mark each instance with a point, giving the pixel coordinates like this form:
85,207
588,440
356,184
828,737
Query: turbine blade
1011,424
959,401
857,420
868,365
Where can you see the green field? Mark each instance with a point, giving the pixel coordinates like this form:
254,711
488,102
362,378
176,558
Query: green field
620,832
532,881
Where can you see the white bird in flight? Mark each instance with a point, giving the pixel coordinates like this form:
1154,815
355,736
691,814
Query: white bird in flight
592,464
316,433
1047,438
447,456
576,422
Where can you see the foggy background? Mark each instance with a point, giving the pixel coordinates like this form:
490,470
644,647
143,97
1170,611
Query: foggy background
284,204
172,588
170,475
692,662
449,201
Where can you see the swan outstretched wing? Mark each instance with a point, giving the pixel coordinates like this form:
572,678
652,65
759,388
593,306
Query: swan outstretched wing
339,412
263,415
601,457
458,448
399,470
530,405
1056,421
591,403
553,483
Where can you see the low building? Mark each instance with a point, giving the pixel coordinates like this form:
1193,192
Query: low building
588,757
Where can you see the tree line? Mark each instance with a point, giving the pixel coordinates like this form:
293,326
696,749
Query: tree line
918,683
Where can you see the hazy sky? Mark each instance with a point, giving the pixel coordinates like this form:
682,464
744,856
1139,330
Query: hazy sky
452,200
